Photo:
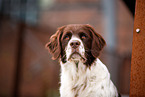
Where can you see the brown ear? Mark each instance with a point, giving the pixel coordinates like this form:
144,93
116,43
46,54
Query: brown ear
97,42
54,45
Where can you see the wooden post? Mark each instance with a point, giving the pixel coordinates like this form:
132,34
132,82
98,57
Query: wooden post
137,81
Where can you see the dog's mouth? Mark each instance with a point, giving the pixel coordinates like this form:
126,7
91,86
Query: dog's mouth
76,56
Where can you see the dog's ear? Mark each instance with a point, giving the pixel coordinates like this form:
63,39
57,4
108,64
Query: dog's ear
97,42
54,45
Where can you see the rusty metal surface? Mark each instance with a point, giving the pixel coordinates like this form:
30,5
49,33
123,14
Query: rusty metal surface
137,81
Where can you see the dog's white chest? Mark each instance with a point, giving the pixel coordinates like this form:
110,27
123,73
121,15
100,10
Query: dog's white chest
82,81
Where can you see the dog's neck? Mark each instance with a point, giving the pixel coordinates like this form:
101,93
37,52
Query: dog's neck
75,69
78,79
75,77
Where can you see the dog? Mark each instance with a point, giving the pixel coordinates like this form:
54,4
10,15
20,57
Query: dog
78,46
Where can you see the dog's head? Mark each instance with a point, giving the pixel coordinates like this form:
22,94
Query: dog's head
76,42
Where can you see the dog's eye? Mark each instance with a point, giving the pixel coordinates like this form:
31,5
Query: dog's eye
83,36
66,37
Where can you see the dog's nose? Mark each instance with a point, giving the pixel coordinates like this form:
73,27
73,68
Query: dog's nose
75,44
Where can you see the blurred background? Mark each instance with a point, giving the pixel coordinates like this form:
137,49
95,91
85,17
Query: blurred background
26,68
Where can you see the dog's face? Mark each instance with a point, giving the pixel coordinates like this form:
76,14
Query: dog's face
76,42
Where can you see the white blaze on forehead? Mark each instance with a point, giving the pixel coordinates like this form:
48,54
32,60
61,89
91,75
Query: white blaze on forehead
68,48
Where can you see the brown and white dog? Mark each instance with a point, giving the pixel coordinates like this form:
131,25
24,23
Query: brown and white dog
77,46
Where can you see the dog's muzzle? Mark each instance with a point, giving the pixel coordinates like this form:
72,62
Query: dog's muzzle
75,55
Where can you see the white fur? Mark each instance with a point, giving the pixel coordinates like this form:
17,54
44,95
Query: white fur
68,48
95,77
82,81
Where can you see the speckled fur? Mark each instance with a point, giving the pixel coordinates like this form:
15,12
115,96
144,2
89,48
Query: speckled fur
86,82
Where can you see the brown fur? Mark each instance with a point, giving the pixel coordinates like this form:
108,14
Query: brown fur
54,46
98,42
95,43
